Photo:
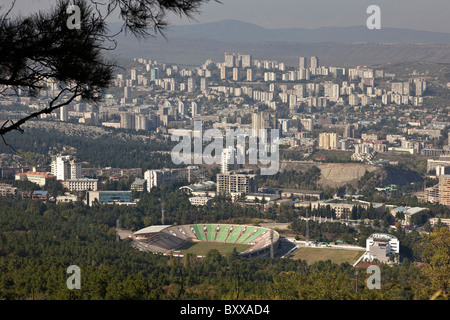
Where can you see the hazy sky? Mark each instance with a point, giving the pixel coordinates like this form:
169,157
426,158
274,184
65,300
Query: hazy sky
430,15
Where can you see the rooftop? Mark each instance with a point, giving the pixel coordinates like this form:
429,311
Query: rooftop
408,210
381,236
152,229
199,186
35,173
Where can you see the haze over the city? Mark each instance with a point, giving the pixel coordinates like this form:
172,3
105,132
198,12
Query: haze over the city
429,15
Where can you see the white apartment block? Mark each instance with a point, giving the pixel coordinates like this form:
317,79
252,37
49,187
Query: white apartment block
65,168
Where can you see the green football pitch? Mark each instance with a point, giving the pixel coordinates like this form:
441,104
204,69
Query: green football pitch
202,248
311,255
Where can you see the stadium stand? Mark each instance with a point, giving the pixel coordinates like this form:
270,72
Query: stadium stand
166,239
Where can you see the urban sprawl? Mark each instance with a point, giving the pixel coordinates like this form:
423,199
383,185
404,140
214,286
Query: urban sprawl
339,119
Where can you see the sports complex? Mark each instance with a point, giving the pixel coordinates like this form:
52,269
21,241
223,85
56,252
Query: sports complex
250,241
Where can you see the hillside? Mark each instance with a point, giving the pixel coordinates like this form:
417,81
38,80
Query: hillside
339,174
239,31
194,44
333,174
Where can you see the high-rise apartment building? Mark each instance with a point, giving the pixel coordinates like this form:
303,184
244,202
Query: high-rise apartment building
349,131
439,193
444,189
314,62
331,90
249,75
141,122
127,120
127,93
260,121
75,170
228,160
270,76
182,109
154,74
191,87
204,84
293,103
230,60
65,168
328,140
196,109
401,88
302,63
235,74
246,60
223,72
60,167
228,183
64,113
304,74
353,100
134,76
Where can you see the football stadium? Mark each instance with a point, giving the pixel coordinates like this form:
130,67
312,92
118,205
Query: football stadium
250,241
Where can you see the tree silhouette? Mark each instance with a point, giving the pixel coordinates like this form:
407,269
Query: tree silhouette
40,51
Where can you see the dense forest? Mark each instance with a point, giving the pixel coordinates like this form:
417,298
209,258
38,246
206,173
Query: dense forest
102,151
39,241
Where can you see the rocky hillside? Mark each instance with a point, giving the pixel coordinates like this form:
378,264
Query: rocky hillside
339,174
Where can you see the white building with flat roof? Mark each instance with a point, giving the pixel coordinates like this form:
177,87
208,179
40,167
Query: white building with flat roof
200,201
380,246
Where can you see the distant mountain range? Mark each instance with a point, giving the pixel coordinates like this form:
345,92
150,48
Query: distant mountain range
337,46
238,31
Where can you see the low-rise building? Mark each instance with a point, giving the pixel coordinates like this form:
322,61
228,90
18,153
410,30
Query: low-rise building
35,195
380,246
341,209
66,198
408,212
109,197
261,197
434,221
82,184
301,194
39,178
7,190
139,185
200,201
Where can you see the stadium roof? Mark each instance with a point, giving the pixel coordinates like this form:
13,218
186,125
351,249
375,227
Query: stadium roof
152,229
